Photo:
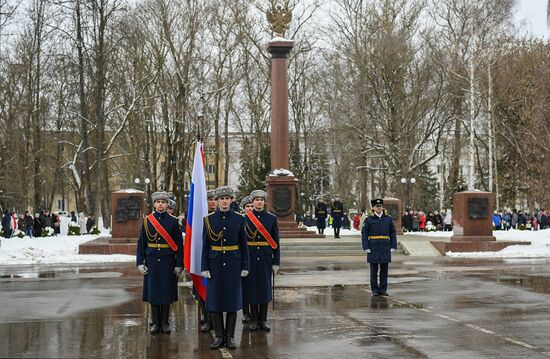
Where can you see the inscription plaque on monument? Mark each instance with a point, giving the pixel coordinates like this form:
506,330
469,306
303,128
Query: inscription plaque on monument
478,207
128,208
282,201
392,210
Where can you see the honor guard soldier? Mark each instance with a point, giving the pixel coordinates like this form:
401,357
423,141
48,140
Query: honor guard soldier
171,207
159,258
247,206
337,213
212,201
379,241
265,255
224,262
206,321
321,215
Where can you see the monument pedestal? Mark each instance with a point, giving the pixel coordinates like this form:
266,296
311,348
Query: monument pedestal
473,225
394,207
128,208
281,192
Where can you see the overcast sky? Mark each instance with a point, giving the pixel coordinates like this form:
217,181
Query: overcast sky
531,17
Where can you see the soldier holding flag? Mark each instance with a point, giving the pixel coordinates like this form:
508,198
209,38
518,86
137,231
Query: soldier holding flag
159,258
224,262
263,244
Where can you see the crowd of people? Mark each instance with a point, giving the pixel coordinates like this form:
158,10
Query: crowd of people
426,221
34,226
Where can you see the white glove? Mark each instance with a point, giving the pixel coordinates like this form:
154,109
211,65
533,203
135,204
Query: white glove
367,250
275,268
178,271
244,273
206,274
142,269
392,250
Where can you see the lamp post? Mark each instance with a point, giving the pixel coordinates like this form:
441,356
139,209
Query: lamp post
408,182
146,182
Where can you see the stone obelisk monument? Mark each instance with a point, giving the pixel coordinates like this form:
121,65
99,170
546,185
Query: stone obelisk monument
281,184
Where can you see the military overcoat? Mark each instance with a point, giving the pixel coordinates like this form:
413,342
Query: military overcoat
378,235
225,255
160,283
258,284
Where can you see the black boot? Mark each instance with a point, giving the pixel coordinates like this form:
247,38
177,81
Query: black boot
217,323
254,317
165,314
206,326
230,330
263,318
246,313
155,319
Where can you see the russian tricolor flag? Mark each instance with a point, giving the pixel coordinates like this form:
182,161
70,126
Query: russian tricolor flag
197,210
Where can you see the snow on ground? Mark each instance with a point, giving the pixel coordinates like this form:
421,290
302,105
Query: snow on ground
52,250
539,247
330,231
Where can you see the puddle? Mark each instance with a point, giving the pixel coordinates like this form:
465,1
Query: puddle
539,284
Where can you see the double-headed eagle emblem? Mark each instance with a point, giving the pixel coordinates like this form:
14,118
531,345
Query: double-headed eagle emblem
279,18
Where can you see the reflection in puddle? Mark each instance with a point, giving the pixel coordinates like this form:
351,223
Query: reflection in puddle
539,284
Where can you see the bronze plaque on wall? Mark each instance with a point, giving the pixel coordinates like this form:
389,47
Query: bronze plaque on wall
391,209
478,207
282,201
128,209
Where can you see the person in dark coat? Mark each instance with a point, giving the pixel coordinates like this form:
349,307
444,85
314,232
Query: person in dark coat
308,221
321,215
224,262
90,223
337,212
56,224
29,223
346,224
37,225
159,257
543,219
206,320
6,224
379,240
247,206
73,217
265,258
47,219
407,221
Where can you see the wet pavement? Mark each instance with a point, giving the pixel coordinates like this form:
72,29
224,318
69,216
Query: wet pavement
438,308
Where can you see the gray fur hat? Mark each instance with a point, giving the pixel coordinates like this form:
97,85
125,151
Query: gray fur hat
211,194
171,204
160,195
224,191
246,200
258,193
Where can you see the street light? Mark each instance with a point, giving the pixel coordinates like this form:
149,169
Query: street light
408,182
146,181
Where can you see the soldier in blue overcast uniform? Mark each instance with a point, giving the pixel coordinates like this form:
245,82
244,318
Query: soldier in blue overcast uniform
159,263
224,262
337,213
206,325
379,240
264,261
321,215
246,205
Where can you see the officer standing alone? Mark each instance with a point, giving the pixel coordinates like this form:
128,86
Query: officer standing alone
224,262
263,245
159,258
379,240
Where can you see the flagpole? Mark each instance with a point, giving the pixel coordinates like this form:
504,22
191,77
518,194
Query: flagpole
273,292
